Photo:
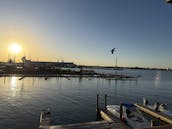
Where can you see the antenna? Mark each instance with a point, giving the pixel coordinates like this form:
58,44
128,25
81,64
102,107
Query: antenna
14,58
8,56
30,55
24,54
116,61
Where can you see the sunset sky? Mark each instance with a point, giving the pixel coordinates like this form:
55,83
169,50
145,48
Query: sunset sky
84,31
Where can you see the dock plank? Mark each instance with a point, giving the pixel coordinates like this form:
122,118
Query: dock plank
117,123
155,114
88,125
112,122
161,127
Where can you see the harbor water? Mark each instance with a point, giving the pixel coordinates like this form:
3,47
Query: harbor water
73,99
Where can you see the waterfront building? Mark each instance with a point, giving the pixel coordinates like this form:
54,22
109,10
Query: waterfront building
30,64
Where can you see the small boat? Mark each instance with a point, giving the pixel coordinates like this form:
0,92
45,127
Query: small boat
130,114
45,118
157,107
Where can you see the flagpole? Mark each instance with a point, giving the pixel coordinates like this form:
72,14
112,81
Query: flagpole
116,61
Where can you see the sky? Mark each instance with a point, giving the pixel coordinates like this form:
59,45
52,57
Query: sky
85,31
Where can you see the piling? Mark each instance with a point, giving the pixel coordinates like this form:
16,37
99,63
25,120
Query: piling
97,107
152,123
121,111
105,101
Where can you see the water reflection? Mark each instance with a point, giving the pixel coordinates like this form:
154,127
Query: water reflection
13,86
123,82
60,94
157,79
33,81
80,79
4,80
13,83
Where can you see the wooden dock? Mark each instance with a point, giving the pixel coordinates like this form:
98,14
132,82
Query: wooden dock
109,122
112,122
88,125
161,127
155,114
118,124
106,115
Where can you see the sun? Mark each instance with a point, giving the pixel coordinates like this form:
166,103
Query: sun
15,48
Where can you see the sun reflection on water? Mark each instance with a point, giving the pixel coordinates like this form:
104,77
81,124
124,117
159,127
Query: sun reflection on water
13,85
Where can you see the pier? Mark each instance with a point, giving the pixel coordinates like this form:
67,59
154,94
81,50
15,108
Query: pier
155,114
88,125
109,121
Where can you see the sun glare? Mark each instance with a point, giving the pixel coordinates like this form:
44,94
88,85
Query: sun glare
15,48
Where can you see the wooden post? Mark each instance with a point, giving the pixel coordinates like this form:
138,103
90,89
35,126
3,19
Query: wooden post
145,101
152,123
121,111
97,106
105,101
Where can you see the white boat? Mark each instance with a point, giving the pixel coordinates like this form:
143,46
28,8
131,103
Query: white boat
130,114
45,118
158,107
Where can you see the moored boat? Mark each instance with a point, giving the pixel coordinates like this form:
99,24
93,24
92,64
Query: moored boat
129,114
157,107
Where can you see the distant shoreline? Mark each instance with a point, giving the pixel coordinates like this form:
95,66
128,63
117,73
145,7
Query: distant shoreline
67,72
120,68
